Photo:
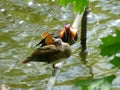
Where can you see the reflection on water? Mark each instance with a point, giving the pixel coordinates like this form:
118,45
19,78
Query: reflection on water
21,25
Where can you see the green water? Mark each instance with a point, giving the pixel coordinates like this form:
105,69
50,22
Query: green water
22,23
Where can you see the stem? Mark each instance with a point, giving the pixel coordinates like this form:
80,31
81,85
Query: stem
83,38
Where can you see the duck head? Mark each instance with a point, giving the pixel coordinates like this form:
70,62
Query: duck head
68,34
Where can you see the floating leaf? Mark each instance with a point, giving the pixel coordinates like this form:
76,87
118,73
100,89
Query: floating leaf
116,62
111,44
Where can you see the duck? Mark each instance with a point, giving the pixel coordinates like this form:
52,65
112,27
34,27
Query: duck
51,54
67,34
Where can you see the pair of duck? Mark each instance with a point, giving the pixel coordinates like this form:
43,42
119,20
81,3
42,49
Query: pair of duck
54,47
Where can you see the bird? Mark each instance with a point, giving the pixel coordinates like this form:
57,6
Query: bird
67,34
51,54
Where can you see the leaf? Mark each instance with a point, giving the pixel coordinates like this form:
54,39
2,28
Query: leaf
84,88
109,78
111,44
107,82
84,82
96,84
116,62
65,2
79,5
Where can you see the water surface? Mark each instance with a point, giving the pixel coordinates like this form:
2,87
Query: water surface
21,25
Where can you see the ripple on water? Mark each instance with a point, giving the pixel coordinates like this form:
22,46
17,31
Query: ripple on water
20,28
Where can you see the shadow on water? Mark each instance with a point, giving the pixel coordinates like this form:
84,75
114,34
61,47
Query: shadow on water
21,25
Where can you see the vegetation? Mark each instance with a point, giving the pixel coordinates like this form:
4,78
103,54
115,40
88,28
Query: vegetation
96,84
110,47
79,5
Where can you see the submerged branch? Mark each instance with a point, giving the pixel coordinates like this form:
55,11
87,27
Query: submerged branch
53,78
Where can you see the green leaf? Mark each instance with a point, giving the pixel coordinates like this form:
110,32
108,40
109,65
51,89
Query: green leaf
65,2
111,44
79,5
106,84
84,88
84,82
116,62
109,78
96,84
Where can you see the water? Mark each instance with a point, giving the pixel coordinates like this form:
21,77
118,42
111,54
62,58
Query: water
21,25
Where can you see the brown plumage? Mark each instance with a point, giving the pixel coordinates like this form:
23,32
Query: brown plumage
67,34
50,53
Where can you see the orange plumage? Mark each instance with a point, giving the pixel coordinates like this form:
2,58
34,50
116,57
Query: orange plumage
67,34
